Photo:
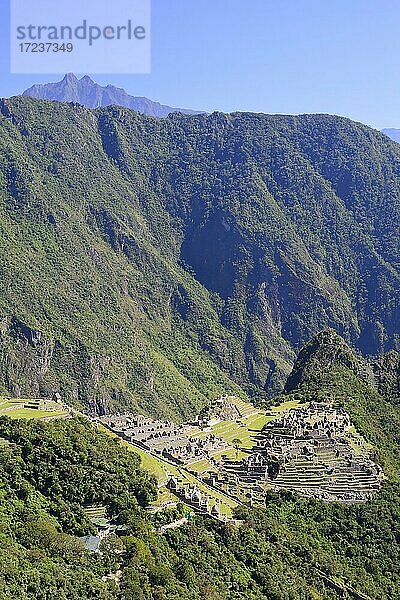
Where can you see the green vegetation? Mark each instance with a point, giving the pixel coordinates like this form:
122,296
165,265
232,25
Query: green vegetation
49,473
239,434
229,431
257,422
56,474
164,262
150,463
160,264
19,408
286,405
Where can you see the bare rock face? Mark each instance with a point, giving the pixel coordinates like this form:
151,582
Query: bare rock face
26,356
393,133
33,364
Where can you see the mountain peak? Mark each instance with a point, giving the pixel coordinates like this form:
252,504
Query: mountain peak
70,77
87,79
325,349
87,92
393,133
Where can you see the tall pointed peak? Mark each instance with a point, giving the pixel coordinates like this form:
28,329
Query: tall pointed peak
70,77
87,92
325,349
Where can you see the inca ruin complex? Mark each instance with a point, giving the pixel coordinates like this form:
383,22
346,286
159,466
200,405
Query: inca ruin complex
311,449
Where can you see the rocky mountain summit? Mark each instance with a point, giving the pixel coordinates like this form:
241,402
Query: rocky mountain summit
88,93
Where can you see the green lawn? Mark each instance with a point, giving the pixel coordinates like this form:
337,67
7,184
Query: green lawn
150,463
257,422
15,409
252,422
286,406
246,432
31,413
200,466
229,430
7,403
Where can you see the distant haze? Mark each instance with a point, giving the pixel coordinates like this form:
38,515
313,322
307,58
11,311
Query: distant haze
394,134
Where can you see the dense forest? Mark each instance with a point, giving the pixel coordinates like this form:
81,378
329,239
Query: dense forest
49,473
292,548
164,261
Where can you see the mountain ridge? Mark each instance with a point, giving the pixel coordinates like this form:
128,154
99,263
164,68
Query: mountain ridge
393,133
92,95
210,248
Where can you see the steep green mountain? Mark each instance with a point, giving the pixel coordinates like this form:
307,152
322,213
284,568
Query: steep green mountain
368,389
294,549
155,263
387,375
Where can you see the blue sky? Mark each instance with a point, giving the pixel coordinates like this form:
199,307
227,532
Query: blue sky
281,56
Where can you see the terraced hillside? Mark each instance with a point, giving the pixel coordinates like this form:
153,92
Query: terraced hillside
163,470
32,408
317,452
167,456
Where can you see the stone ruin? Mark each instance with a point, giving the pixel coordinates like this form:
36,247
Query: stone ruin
173,442
220,409
313,451
193,497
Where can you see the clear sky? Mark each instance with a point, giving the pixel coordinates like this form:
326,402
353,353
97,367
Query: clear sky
276,56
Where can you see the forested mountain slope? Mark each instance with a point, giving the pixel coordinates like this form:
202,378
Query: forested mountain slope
294,548
157,262
327,368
